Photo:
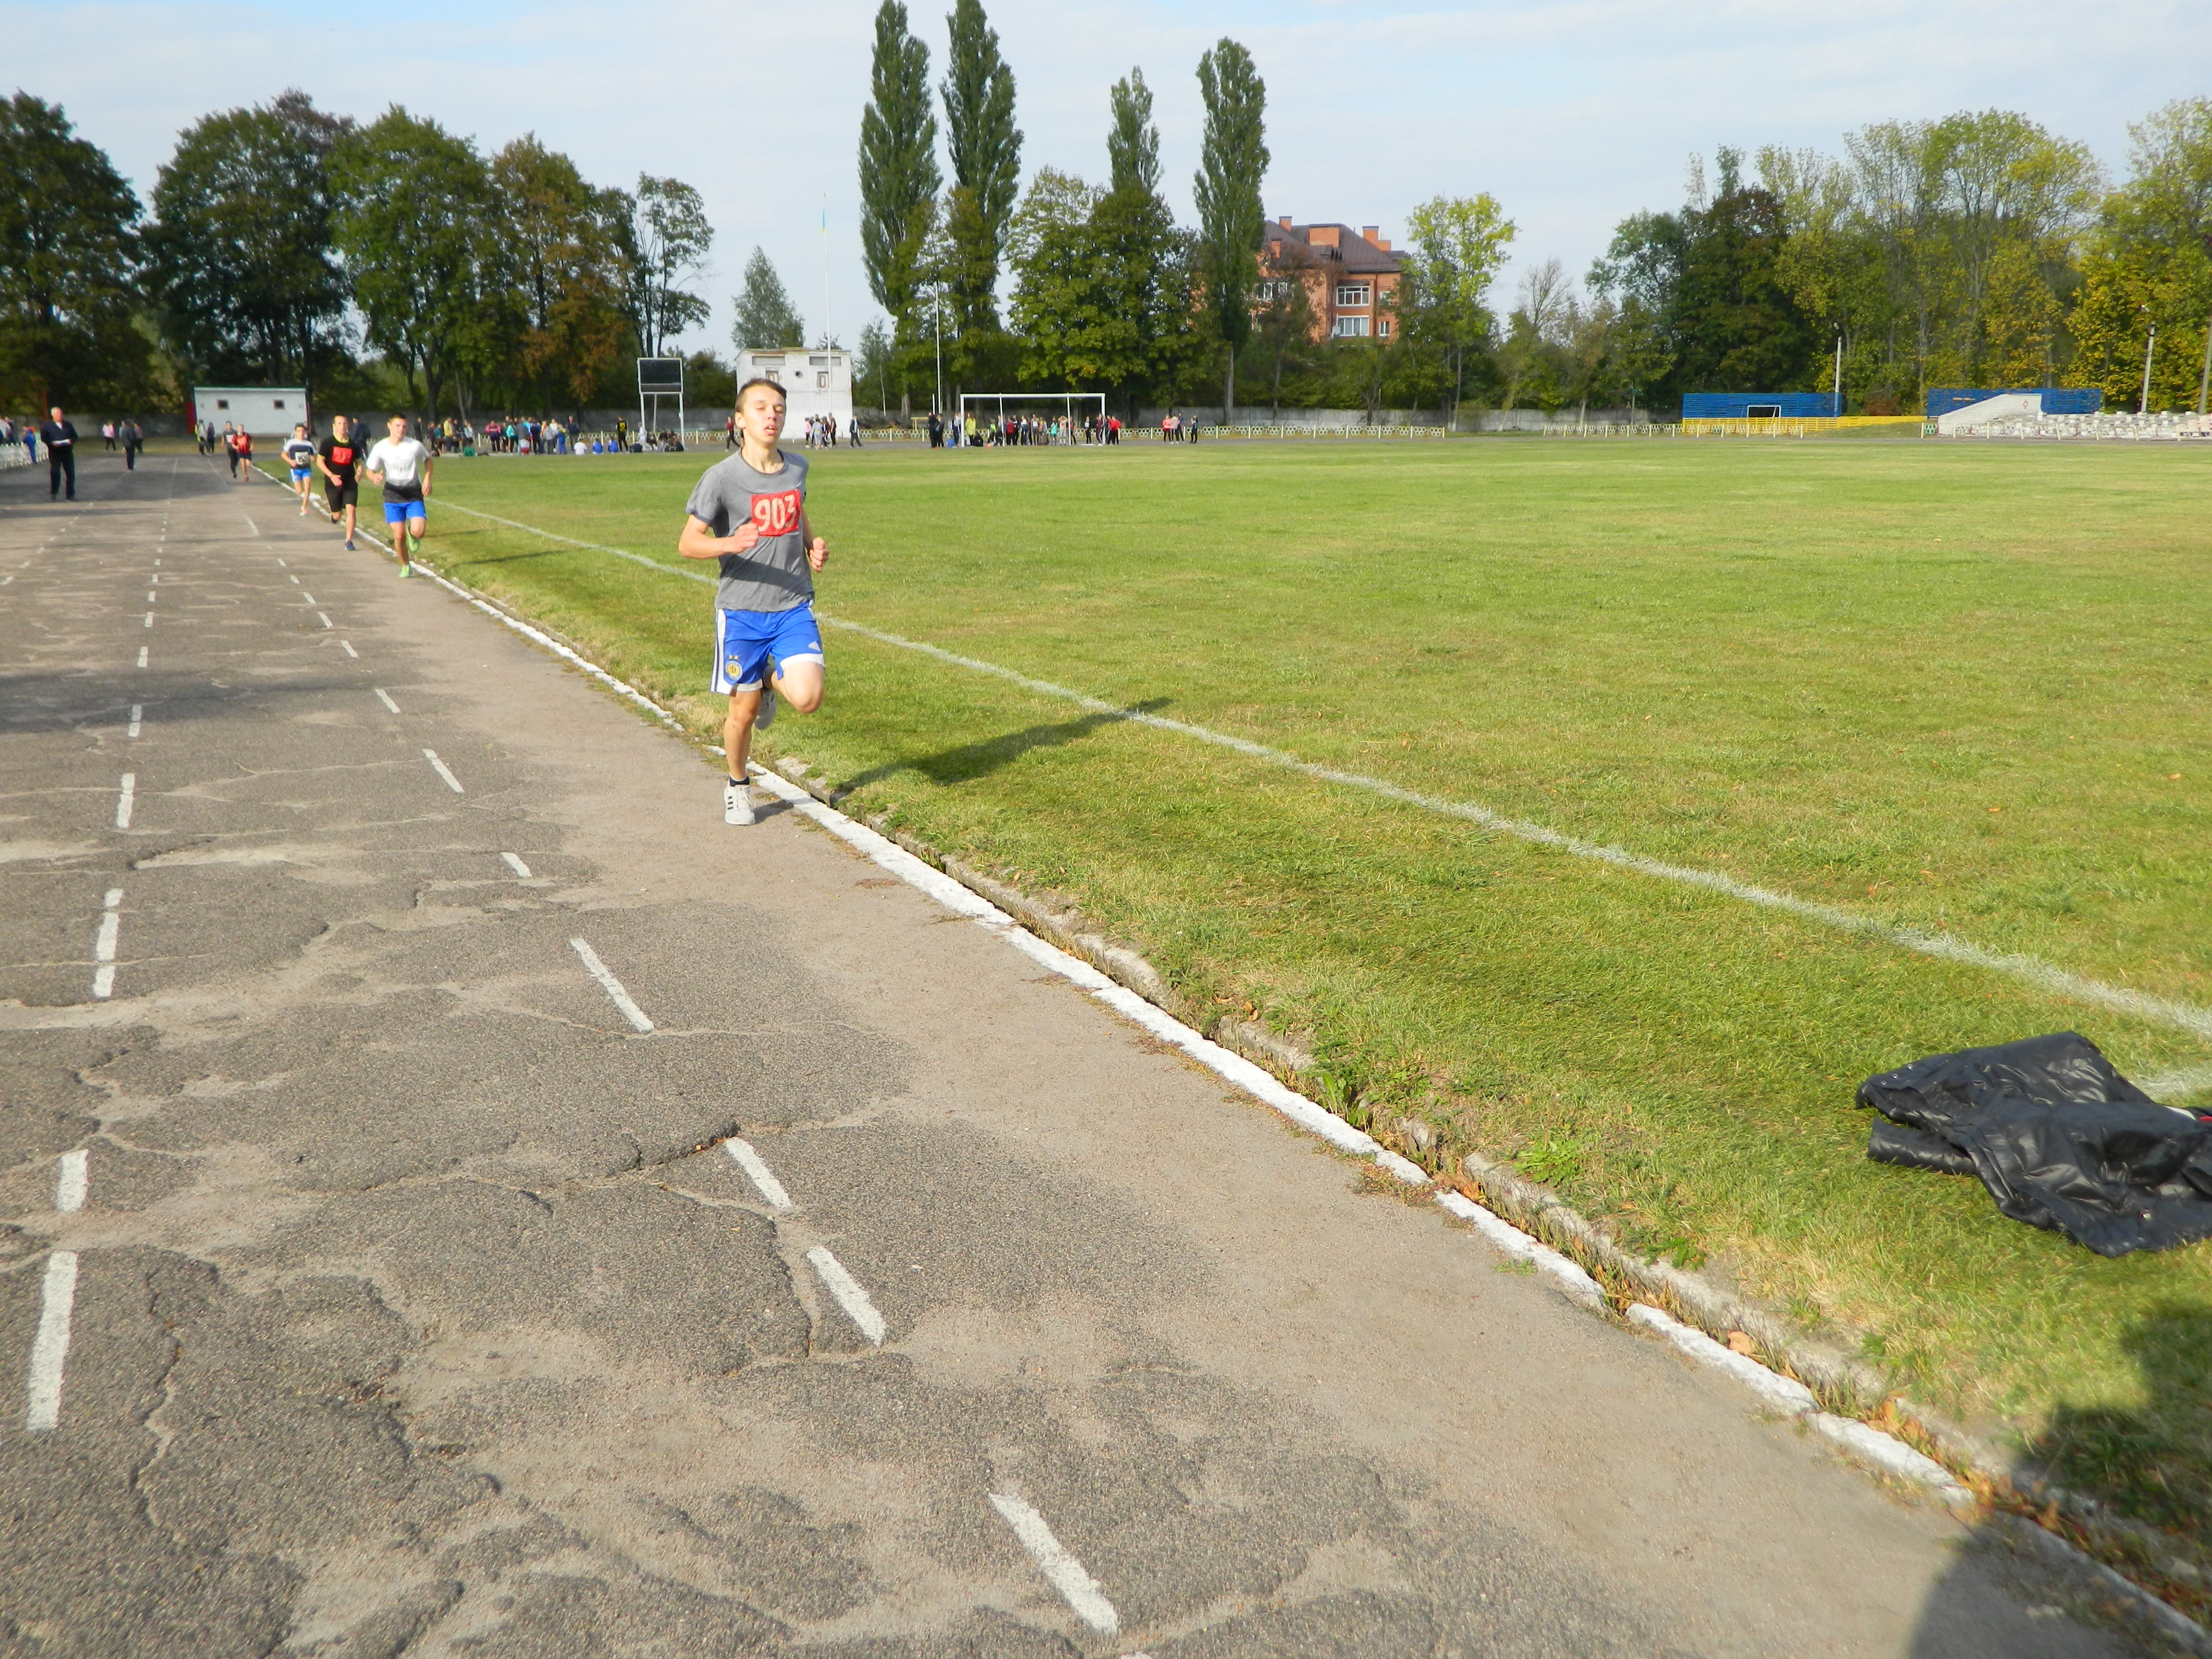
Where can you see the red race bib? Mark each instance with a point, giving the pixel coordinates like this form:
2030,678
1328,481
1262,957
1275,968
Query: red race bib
777,514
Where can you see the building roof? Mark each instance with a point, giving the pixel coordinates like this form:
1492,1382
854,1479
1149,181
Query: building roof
1353,253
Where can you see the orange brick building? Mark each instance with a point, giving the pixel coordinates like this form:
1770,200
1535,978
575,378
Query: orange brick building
1349,274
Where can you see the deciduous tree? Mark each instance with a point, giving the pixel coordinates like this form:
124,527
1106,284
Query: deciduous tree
665,242
68,250
1458,243
765,316
561,241
1132,145
1232,221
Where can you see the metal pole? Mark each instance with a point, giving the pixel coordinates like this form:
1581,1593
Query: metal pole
1840,373
936,315
2150,346
2204,380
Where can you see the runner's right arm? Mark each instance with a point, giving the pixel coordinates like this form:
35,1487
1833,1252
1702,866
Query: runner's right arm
699,540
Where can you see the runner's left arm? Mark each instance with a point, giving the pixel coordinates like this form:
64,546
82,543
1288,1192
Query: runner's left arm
818,550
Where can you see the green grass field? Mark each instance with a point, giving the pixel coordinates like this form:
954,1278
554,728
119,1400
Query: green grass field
1962,688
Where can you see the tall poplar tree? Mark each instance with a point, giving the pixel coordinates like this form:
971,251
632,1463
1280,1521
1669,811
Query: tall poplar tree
898,166
1231,222
766,319
986,158
1133,147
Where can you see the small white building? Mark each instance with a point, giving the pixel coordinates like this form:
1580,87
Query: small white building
266,412
813,382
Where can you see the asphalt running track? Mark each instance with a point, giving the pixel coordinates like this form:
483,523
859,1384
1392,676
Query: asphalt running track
464,1199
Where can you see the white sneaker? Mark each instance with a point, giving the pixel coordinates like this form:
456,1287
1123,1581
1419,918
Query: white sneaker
736,803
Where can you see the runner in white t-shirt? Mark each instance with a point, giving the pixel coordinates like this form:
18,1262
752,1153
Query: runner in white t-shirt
300,456
401,466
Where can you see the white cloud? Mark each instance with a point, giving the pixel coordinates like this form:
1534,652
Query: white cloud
1572,114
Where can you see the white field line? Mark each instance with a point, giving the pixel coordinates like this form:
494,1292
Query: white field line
149,619
756,1166
517,865
384,697
137,718
1793,1399
346,646
103,945
2193,1080
850,1296
1062,1571
2044,975
444,771
149,596
611,986
327,621
49,1348
127,795
72,1176
142,656
306,595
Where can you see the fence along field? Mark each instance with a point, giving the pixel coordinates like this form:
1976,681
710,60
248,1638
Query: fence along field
1949,691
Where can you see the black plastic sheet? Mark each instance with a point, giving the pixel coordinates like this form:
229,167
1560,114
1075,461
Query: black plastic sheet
2060,1138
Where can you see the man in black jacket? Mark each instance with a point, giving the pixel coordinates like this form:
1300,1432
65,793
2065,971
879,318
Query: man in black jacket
58,435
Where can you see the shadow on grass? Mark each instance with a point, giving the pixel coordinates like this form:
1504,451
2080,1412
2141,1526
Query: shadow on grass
978,760
2151,1464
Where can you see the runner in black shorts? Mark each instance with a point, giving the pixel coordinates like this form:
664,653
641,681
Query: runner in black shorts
338,459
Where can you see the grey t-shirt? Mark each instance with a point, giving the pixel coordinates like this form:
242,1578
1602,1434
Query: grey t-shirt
773,575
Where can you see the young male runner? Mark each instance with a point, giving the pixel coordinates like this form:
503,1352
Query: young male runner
300,456
749,512
402,465
338,460
241,455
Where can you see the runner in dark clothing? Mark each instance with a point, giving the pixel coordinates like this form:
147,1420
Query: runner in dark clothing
58,435
134,440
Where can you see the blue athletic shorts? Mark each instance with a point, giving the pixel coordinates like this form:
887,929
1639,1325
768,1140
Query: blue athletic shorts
745,640
299,475
395,511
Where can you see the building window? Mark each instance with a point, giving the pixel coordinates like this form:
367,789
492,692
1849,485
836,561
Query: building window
1350,294
1350,328
816,362
1382,327
279,403
821,381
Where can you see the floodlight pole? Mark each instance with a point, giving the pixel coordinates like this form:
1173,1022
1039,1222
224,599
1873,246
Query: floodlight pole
937,316
1839,404
2150,346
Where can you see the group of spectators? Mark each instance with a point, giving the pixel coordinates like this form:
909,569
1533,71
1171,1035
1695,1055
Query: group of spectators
1009,430
821,432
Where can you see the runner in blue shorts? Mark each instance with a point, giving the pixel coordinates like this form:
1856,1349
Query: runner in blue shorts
300,456
749,512
402,464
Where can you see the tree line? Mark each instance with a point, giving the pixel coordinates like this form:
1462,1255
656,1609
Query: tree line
391,262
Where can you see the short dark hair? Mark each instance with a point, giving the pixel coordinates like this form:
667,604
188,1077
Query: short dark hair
775,387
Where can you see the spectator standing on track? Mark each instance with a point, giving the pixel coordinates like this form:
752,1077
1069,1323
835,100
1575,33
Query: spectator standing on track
107,432
300,456
402,465
338,459
134,440
60,436
749,511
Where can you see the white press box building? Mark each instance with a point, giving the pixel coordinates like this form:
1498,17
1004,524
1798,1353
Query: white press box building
813,382
266,412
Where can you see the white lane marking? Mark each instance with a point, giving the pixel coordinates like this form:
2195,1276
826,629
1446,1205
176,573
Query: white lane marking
149,619
2187,1081
513,862
50,1346
5,579
72,1178
280,562
250,525
294,580
850,1296
2180,1016
142,656
103,945
1509,1240
611,986
348,645
149,596
384,697
125,795
308,598
763,1178
138,715
1062,1571
444,771
327,621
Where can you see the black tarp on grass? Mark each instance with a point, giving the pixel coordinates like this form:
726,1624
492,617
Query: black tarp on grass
2060,1138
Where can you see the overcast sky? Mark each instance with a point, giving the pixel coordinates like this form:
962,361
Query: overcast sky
1571,114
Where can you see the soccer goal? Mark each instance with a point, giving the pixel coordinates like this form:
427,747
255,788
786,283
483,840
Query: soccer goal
986,406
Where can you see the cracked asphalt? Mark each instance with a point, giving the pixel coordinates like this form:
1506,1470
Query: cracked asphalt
422,1306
